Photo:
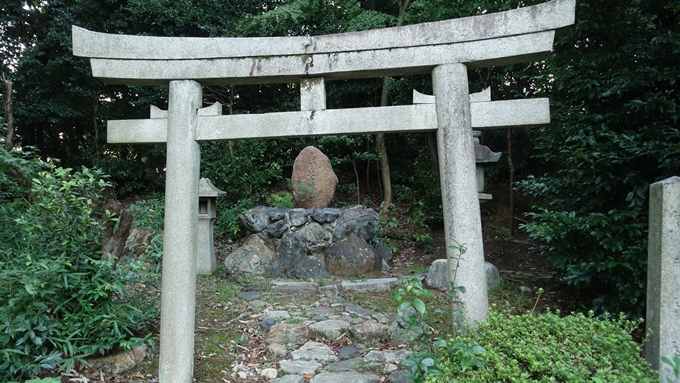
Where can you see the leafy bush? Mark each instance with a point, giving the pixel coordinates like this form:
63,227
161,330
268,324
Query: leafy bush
60,302
282,199
149,213
227,222
549,348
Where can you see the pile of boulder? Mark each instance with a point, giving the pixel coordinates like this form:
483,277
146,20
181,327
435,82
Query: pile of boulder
311,243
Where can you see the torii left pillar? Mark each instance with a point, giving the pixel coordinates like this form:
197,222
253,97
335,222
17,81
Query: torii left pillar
178,295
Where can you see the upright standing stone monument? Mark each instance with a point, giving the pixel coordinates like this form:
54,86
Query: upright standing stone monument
663,275
446,49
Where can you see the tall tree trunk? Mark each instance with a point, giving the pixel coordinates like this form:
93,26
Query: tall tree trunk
380,137
511,194
9,117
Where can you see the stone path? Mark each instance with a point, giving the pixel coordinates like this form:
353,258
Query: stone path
298,335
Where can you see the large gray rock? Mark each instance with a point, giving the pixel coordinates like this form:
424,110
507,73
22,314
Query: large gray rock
315,351
255,219
352,257
363,222
325,215
290,250
313,179
284,333
276,229
310,268
330,329
249,260
368,331
314,232
438,278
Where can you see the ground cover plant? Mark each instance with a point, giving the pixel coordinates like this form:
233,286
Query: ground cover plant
61,300
548,347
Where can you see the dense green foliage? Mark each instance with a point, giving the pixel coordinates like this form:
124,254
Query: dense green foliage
548,348
612,81
60,301
614,95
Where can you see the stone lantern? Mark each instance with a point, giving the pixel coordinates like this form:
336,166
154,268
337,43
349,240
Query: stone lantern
483,156
207,212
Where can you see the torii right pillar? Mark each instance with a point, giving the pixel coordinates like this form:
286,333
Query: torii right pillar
462,220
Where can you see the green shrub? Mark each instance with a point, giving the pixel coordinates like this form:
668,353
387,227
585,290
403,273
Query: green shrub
282,199
227,221
60,301
149,213
550,348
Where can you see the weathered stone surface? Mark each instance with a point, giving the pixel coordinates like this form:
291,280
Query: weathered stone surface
401,376
255,219
289,379
291,248
297,217
348,364
295,287
371,285
330,329
276,229
120,362
325,215
438,277
369,330
137,241
384,252
250,259
344,377
269,373
356,309
313,179
248,295
400,330
285,333
276,315
314,232
351,257
267,323
663,274
302,367
493,276
346,352
396,356
277,214
315,351
310,268
277,350
365,223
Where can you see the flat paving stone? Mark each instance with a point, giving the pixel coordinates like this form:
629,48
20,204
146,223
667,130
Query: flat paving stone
371,285
346,352
248,295
330,329
275,314
315,351
295,287
356,309
289,379
344,377
301,367
346,365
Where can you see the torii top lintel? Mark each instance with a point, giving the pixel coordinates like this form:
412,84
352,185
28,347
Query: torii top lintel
519,35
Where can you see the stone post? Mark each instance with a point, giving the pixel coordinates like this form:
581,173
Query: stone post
663,275
462,221
178,299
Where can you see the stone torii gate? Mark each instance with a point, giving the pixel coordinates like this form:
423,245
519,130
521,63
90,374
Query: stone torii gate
446,49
